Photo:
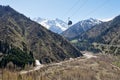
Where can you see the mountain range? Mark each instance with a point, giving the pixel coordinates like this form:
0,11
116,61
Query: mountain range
55,25
107,32
23,40
80,27
104,36
20,36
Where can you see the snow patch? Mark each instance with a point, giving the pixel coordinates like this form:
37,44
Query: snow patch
55,25
107,19
37,63
89,55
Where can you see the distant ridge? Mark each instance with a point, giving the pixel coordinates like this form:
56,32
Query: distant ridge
105,37
80,27
56,25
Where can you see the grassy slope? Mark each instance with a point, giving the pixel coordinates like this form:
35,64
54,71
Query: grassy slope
106,35
100,68
20,31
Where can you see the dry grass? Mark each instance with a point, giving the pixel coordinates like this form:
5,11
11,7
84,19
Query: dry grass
79,69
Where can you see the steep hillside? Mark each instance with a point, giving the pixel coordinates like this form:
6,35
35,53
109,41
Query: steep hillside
108,32
101,67
105,36
80,27
20,32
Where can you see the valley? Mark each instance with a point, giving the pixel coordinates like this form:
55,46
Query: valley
87,55
51,49
88,67
22,41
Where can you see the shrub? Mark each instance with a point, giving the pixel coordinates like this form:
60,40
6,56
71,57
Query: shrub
17,57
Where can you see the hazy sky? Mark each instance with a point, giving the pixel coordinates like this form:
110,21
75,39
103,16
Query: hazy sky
62,9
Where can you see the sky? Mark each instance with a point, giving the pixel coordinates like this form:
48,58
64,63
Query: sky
76,10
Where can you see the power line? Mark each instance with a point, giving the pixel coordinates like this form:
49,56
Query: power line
97,8
76,3
82,5
91,12
76,11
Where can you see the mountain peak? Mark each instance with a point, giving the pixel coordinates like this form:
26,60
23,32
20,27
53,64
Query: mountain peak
80,27
5,8
2,6
104,33
92,20
55,25
117,17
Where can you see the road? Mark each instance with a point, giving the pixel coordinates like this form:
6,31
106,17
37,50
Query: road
89,55
38,66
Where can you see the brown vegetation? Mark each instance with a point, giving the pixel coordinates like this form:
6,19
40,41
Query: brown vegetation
100,68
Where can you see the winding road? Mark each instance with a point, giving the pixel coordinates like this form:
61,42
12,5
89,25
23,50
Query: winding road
38,66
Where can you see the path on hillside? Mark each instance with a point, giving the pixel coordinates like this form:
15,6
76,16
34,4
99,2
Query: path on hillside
110,45
87,55
37,67
32,70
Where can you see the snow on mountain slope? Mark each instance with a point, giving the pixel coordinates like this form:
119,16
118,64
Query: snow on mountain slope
80,27
56,25
88,23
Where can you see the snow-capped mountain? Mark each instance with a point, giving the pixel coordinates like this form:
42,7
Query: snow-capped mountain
87,24
80,27
56,25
